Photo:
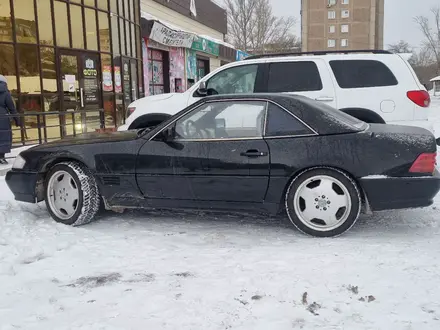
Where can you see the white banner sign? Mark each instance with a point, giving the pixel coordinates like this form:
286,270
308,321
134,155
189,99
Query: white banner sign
169,37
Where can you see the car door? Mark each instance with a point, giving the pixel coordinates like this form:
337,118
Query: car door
310,78
216,153
239,79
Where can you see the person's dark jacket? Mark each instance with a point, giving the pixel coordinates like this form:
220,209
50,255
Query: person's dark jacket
7,107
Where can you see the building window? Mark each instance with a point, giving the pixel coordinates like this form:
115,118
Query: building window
331,29
344,42
344,28
345,13
331,43
345,2
331,14
331,2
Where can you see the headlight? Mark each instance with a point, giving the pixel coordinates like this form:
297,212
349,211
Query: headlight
19,163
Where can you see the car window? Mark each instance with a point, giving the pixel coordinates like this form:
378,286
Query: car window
236,80
301,76
222,120
282,123
362,74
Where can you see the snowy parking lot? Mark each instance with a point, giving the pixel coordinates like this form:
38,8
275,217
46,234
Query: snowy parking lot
150,270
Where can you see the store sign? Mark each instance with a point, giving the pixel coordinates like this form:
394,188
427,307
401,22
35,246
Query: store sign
241,55
89,68
169,37
206,46
91,87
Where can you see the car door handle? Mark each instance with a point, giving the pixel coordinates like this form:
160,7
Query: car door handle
253,153
324,99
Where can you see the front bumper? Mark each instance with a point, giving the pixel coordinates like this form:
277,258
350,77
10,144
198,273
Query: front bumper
389,193
22,185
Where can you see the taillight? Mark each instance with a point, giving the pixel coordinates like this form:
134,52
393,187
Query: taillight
130,110
421,98
425,163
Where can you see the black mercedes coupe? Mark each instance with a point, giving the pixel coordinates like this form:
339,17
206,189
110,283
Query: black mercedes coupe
260,152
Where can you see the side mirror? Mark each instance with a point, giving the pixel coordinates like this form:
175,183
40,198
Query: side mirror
202,90
168,133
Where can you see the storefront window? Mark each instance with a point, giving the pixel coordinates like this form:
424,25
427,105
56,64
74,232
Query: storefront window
156,71
29,69
25,26
102,4
115,35
122,34
62,32
48,69
5,21
91,3
7,66
66,55
104,32
91,31
76,21
45,22
114,6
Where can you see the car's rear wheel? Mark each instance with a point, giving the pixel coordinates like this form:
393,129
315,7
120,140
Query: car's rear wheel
323,202
71,194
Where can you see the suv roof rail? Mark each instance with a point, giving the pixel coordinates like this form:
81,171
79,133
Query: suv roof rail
373,51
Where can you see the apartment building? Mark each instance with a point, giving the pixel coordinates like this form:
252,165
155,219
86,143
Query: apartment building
342,24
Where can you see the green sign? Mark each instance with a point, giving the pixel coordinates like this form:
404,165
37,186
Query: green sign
206,46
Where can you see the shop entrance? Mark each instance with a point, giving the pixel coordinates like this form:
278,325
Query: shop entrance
79,90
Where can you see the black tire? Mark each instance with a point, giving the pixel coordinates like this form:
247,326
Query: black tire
89,200
311,229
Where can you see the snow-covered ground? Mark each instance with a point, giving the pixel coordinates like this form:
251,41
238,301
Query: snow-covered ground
146,270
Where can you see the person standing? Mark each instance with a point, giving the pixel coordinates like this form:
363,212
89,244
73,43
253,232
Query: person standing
6,107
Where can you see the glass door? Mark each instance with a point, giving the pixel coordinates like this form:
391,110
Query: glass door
80,90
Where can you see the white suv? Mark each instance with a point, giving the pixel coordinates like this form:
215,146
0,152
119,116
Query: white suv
374,86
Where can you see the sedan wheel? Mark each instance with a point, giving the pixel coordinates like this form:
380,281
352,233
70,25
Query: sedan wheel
323,202
71,194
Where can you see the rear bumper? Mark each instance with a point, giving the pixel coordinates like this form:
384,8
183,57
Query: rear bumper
22,185
400,193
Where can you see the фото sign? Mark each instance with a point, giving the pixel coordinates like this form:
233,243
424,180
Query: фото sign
169,37
206,46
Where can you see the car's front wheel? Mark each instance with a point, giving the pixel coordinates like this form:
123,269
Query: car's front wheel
71,194
323,202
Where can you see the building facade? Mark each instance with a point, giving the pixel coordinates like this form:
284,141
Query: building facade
71,55
182,42
342,24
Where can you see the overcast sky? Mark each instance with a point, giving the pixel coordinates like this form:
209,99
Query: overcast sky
399,23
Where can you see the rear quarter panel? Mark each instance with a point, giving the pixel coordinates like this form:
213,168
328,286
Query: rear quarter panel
359,155
390,102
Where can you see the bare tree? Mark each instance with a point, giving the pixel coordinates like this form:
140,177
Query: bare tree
422,58
400,47
432,34
254,28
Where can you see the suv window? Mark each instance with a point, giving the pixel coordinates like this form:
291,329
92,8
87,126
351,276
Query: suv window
362,73
302,76
282,123
236,80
